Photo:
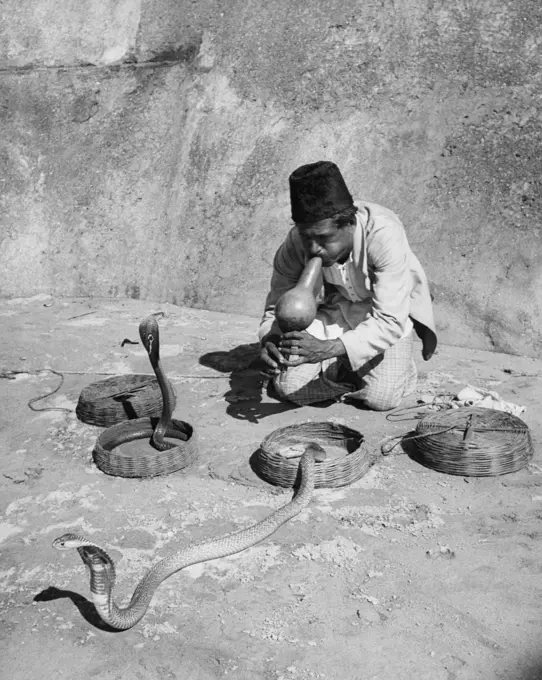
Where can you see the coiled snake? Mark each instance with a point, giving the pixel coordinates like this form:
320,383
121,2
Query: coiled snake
102,568
163,456
150,337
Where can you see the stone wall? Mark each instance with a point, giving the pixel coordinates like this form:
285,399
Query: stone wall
146,146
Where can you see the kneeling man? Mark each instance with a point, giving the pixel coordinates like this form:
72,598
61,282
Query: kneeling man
373,295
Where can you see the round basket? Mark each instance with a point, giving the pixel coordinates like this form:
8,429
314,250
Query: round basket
472,442
120,398
150,462
270,463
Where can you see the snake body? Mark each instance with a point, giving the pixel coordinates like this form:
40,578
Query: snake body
150,337
102,568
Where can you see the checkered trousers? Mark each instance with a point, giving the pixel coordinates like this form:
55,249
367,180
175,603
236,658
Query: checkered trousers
380,384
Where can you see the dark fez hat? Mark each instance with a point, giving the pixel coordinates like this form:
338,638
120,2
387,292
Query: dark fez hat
318,191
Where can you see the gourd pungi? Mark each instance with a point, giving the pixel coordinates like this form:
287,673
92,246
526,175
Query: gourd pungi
296,309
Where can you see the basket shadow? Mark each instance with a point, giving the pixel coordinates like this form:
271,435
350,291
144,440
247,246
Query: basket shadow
409,447
86,608
128,407
254,463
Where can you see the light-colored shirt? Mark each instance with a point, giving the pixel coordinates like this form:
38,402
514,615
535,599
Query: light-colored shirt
372,300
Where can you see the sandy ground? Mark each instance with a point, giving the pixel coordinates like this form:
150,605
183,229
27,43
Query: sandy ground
405,574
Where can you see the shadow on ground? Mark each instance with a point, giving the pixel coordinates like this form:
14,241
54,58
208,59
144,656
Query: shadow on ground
86,608
247,385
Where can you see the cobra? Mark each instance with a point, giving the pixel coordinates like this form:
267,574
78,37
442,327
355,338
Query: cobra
102,567
150,337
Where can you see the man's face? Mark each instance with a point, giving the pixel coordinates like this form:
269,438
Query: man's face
324,239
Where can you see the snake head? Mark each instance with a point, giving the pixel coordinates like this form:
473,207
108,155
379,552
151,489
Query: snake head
68,541
150,337
317,451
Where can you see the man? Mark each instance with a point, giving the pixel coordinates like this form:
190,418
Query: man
374,294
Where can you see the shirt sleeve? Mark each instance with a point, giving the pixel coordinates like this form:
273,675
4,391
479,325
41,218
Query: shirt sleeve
389,272
288,265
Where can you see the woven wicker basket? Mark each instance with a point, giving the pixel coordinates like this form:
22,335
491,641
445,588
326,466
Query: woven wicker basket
123,397
270,463
148,462
475,442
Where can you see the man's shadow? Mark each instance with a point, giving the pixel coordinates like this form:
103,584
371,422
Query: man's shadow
247,384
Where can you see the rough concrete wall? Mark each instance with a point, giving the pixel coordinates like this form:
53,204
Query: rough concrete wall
146,146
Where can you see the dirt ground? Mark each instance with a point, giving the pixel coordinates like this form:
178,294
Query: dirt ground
406,574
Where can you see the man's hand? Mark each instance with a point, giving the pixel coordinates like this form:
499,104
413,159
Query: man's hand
307,349
271,356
